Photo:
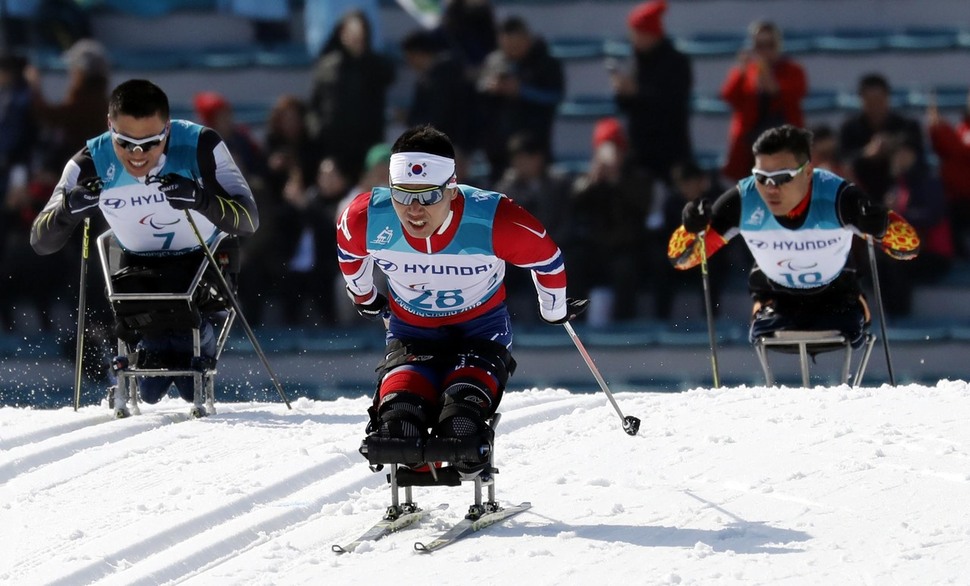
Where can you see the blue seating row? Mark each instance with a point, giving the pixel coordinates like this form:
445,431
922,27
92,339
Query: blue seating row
802,42
282,55
639,334
701,45
728,44
819,101
823,100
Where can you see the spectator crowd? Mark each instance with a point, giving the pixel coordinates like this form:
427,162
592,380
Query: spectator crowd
494,87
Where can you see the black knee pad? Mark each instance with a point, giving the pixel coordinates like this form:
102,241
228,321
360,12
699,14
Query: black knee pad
489,356
402,415
464,409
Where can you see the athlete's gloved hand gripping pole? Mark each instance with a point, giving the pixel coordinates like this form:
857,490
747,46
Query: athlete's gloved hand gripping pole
370,307
82,200
872,222
181,192
574,307
696,218
237,307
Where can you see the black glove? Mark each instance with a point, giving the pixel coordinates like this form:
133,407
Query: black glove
82,199
181,192
873,218
374,310
696,216
574,307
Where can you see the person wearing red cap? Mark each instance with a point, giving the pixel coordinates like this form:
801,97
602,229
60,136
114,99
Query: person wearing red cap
764,90
215,111
655,95
646,18
603,238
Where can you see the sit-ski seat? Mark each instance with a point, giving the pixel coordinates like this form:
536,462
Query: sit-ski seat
155,296
396,452
805,343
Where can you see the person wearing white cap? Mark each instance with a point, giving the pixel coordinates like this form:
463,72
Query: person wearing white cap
443,247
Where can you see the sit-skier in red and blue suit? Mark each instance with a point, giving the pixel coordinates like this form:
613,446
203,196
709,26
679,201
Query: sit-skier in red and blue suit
443,248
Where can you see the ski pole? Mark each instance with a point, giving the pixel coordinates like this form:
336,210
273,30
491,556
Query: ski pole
630,424
879,307
238,308
709,308
82,306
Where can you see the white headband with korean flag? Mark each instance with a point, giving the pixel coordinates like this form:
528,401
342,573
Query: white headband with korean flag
422,168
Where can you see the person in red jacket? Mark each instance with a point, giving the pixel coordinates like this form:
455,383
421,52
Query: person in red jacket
952,147
764,90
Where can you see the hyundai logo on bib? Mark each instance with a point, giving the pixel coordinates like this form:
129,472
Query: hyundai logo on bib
385,265
430,269
809,245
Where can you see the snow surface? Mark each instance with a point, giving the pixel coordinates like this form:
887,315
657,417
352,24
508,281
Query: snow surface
729,486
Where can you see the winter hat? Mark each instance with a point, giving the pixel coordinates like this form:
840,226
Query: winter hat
645,18
378,154
609,130
208,105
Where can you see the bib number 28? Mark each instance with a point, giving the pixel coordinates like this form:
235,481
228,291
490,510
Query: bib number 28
442,299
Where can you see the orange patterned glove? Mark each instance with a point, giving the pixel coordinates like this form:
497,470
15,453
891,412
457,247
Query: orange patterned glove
900,240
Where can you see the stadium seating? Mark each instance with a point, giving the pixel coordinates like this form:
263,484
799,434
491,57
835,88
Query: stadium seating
922,47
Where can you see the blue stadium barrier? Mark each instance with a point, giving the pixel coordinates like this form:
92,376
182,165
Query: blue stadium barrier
698,46
820,101
924,39
567,48
817,101
230,57
619,48
950,97
795,42
711,44
798,42
852,41
709,105
149,59
287,55
921,333
957,276
40,345
152,8
588,107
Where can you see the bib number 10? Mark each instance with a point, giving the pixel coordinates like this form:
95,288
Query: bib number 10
802,279
444,299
